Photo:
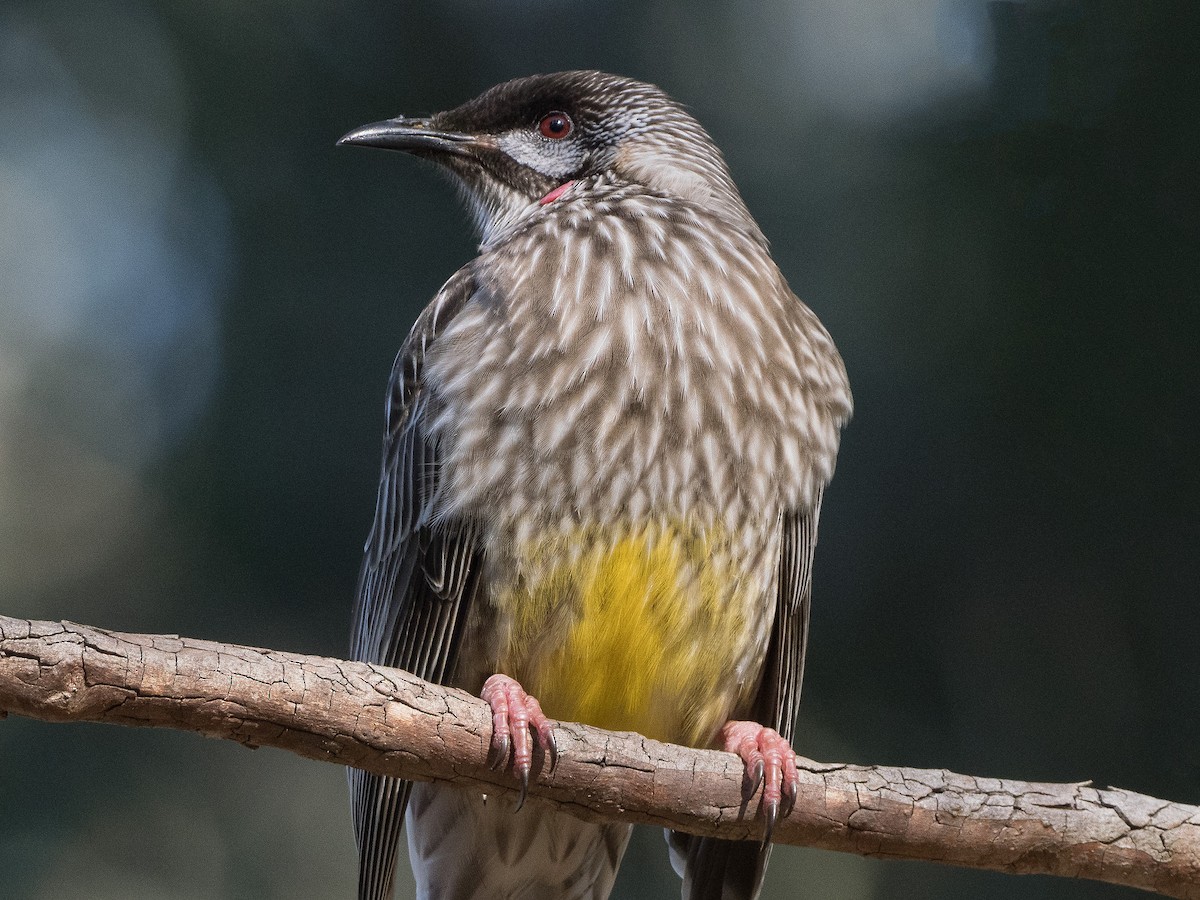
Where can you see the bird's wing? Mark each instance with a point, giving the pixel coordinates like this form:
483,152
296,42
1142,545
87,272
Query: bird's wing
733,870
417,579
778,699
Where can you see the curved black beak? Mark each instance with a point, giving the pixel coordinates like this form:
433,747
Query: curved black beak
409,135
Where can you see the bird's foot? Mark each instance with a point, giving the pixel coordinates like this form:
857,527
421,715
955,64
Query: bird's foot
514,715
770,762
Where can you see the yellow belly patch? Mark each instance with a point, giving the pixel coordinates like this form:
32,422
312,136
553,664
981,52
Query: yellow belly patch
640,630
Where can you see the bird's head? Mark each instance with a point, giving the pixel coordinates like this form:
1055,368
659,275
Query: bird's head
517,144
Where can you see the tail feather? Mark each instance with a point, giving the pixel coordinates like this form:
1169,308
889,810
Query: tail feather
714,869
378,805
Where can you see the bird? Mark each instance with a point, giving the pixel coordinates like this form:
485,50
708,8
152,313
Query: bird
606,443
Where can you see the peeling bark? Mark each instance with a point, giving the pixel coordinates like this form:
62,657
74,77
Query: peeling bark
391,722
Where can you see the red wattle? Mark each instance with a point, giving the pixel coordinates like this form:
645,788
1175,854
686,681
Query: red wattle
555,194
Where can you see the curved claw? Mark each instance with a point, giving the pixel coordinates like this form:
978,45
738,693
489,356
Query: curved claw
755,777
523,774
771,814
791,790
498,751
552,750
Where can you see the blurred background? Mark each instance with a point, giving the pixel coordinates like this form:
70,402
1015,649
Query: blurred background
989,204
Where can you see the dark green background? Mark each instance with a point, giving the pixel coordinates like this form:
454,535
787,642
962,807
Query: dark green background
988,204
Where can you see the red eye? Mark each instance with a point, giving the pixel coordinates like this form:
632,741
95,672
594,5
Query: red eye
555,126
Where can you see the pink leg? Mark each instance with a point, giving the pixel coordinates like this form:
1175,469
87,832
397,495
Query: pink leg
770,762
514,713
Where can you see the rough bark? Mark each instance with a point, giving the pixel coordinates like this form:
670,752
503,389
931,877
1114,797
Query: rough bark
393,723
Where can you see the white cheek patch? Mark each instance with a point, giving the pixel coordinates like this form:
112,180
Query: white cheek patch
554,159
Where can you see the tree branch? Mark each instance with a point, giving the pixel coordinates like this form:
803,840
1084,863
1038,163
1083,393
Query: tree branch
391,722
